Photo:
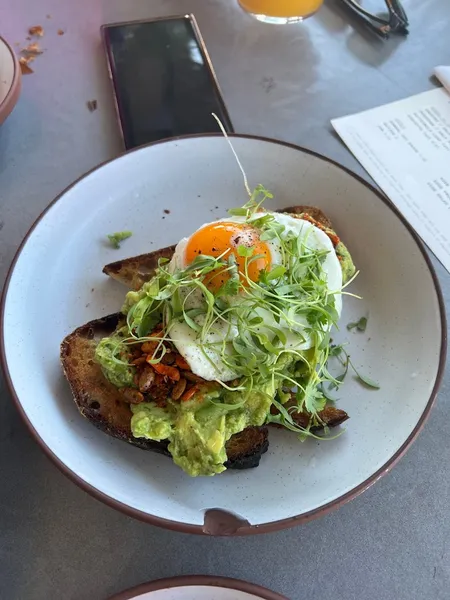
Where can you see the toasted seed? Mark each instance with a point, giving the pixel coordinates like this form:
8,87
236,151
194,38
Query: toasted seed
178,389
188,394
146,379
192,377
167,371
168,358
132,396
149,347
140,361
182,363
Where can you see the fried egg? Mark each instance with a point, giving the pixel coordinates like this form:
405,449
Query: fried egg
222,238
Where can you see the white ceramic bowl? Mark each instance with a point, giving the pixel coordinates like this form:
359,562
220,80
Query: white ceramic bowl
56,284
198,587
10,79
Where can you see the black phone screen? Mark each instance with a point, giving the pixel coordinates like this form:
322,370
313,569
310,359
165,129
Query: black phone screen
163,80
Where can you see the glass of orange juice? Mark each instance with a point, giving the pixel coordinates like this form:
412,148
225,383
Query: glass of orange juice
281,11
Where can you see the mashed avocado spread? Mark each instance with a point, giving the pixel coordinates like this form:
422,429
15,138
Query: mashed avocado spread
347,266
198,430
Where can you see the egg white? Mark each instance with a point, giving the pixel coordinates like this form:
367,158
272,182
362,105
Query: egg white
208,363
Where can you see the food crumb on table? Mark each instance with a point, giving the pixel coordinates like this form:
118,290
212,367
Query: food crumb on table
36,30
26,70
33,48
92,105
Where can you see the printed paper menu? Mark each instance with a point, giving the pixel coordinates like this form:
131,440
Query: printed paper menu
405,148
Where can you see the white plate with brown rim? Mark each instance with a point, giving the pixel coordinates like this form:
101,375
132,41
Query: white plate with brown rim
198,587
56,284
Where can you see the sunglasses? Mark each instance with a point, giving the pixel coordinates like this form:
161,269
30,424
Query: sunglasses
395,21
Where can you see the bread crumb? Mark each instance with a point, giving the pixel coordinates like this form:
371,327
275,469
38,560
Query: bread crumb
92,105
32,49
26,70
36,30
167,211
60,32
49,16
24,60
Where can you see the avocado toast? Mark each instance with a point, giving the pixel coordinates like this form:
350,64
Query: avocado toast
161,393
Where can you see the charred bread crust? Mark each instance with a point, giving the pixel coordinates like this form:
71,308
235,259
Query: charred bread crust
245,449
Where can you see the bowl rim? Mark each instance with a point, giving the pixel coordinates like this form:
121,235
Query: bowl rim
13,93
202,580
243,529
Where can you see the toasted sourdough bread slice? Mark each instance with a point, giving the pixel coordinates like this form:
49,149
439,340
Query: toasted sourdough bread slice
102,404
134,272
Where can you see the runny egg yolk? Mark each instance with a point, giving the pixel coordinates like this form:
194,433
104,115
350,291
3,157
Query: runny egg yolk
224,238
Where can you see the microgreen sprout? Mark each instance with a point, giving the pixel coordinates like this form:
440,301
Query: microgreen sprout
360,325
119,236
344,358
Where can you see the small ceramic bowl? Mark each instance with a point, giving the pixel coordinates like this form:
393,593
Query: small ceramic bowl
10,79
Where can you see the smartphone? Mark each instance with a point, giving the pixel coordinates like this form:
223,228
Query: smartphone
164,83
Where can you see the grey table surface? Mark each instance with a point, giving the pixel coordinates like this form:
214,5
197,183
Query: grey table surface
393,542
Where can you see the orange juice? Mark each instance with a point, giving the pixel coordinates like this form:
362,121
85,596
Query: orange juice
281,10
